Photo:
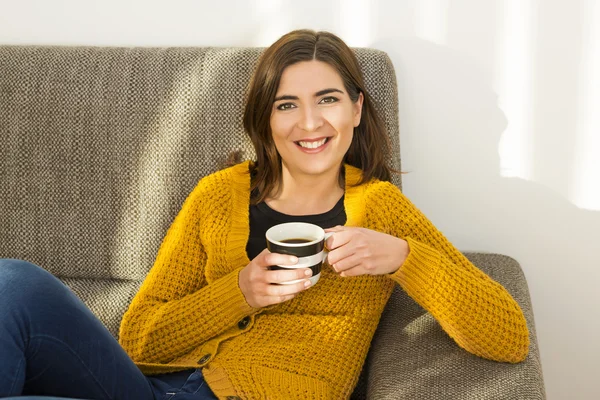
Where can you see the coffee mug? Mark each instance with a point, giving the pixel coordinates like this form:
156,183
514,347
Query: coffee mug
303,240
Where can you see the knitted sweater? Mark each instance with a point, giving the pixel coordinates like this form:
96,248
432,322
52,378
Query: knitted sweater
191,313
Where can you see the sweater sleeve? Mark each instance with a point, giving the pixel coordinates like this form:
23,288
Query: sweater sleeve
477,312
176,310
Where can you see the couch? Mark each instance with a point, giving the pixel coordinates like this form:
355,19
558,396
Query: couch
101,145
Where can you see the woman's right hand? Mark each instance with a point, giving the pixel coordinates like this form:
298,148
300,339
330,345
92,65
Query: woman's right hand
261,287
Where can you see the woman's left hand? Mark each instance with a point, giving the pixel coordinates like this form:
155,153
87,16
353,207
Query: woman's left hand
361,251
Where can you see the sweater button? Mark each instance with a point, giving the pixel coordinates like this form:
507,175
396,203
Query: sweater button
204,359
243,324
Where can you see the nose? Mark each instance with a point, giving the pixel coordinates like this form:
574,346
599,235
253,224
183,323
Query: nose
310,119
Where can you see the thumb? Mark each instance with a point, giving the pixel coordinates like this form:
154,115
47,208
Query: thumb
338,228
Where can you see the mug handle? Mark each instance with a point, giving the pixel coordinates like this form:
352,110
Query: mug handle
325,251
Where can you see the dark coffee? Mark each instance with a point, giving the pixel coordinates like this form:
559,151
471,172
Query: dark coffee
296,240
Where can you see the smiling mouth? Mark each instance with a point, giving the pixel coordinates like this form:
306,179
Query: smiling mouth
315,144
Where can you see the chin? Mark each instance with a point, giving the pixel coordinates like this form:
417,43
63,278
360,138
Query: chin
319,168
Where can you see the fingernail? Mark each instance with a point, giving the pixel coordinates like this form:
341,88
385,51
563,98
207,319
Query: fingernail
308,272
307,284
293,259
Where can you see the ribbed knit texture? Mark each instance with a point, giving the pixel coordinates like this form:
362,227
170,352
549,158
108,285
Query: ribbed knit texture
186,313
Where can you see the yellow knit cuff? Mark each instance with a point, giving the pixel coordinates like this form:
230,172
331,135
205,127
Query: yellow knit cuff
225,294
419,268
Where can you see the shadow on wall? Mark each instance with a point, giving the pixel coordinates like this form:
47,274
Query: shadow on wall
450,127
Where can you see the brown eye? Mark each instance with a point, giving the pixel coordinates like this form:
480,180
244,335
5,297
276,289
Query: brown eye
328,100
285,106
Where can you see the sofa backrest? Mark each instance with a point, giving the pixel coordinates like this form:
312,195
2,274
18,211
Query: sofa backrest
100,146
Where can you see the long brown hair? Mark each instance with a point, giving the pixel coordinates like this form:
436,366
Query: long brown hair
370,145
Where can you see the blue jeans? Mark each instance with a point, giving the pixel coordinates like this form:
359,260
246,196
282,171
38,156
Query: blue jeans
51,344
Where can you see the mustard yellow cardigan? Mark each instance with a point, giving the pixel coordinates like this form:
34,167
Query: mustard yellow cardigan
191,313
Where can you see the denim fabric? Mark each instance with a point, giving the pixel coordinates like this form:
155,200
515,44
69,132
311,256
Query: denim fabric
184,385
51,344
38,398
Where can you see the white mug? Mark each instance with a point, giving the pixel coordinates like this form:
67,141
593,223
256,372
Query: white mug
303,240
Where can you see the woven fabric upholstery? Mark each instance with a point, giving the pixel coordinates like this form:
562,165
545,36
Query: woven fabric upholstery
102,145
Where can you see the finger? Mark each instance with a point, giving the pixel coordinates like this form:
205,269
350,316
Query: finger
278,291
355,271
285,275
346,263
279,299
285,298
337,228
340,253
339,239
268,259
259,260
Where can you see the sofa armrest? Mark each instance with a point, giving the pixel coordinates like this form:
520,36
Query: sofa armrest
411,357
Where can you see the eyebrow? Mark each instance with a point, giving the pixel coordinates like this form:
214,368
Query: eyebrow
319,93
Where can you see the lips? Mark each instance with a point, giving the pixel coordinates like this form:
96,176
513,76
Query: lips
312,144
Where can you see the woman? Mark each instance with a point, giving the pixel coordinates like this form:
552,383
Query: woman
212,319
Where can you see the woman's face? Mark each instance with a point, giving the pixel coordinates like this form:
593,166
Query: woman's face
313,118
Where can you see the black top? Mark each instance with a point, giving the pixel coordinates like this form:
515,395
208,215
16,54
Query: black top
263,217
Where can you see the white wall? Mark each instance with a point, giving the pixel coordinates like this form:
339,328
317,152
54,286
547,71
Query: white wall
499,123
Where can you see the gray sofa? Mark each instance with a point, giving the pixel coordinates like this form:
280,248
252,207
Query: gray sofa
100,146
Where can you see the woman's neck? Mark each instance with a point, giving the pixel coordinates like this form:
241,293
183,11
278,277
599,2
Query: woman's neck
301,194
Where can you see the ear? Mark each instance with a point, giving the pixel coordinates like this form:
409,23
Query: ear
358,109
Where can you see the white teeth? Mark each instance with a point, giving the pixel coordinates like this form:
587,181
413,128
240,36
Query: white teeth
313,145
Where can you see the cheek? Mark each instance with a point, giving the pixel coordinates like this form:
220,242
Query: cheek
342,120
281,126
280,131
